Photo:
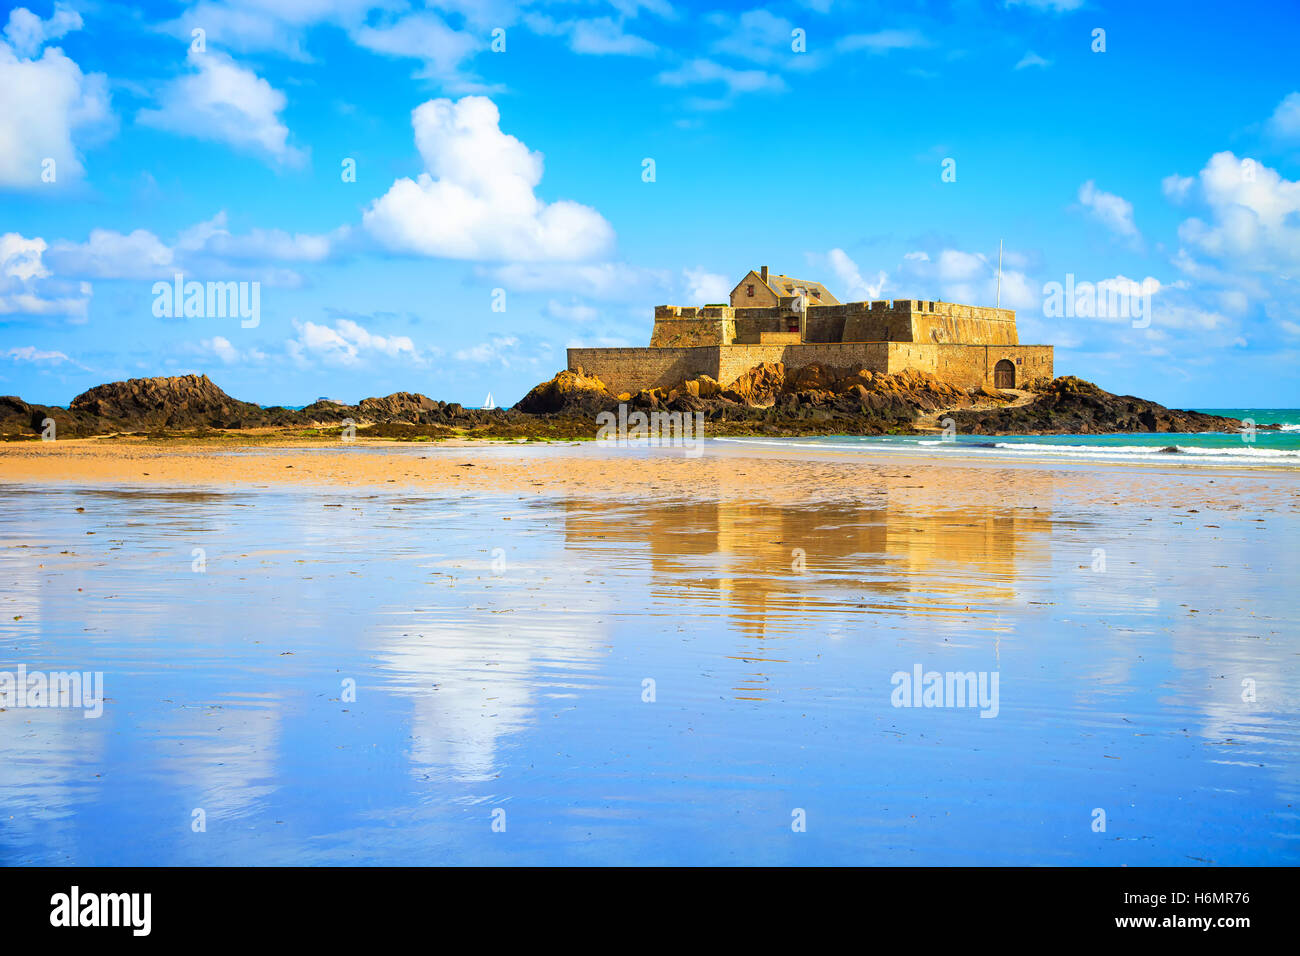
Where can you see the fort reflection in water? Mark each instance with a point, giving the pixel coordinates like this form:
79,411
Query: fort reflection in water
769,564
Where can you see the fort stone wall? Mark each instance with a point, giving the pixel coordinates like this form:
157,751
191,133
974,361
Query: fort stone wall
925,320
876,321
734,360
738,359
953,322
679,326
970,365
751,327
632,369
882,336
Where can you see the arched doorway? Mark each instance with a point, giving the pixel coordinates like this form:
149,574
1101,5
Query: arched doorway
1004,374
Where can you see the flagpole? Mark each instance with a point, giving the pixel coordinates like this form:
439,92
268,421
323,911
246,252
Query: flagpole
999,302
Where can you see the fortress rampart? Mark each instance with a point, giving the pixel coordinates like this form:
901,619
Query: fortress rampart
634,369
902,320
966,345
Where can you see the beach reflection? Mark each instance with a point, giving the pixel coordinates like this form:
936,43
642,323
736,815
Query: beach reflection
769,567
475,679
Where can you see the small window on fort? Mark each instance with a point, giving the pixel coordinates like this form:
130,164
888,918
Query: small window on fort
816,294
749,290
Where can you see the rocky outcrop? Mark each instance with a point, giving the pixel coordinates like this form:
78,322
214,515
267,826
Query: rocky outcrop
767,399
894,397
195,402
568,393
181,401
19,418
400,406
1069,405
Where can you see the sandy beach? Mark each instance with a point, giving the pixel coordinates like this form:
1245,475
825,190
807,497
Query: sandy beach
721,471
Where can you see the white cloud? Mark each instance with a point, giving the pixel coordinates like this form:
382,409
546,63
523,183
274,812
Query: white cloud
476,200
48,107
761,37
220,100
1187,315
967,277
631,8
1254,215
220,346
1115,212
112,255
347,343
213,238
29,353
882,41
609,281
1285,121
206,247
854,287
1032,59
27,33
499,349
604,35
427,37
1055,6
270,25
699,72
1233,301
598,36
703,286
27,289
1176,188
1131,287
20,258
571,311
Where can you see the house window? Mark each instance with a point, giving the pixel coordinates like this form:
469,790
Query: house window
749,291
816,294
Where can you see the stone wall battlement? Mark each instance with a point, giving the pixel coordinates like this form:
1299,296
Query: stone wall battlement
959,343
633,369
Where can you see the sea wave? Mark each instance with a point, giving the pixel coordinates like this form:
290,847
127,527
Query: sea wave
1045,451
1246,451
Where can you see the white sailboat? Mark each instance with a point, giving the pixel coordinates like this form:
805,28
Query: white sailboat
488,403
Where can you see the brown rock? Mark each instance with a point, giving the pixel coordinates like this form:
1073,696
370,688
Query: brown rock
567,392
758,386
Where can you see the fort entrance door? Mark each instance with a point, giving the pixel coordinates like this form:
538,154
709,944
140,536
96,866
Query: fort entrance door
1004,374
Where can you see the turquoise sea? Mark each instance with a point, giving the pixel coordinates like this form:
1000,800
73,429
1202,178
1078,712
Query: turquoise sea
1262,447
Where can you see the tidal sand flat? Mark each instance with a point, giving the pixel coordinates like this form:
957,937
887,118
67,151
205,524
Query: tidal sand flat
539,655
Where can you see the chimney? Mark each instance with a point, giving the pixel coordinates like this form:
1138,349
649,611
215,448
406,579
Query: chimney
762,273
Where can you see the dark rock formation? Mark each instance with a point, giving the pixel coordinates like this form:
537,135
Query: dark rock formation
568,393
182,401
1069,405
195,403
767,399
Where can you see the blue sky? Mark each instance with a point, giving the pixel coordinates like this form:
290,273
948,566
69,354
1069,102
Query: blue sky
1166,164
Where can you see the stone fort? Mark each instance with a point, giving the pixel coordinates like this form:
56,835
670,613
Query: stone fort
776,318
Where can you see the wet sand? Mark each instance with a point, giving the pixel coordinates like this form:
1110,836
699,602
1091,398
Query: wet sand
721,471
